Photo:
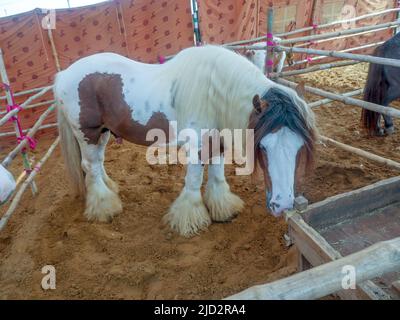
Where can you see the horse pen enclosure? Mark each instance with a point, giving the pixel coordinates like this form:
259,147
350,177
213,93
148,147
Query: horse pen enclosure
136,256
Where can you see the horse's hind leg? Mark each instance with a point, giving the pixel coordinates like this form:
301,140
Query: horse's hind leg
222,204
392,94
188,214
102,203
102,148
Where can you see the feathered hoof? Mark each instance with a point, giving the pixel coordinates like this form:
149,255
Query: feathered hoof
380,132
188,215
389,130
112,185
222,204
102,206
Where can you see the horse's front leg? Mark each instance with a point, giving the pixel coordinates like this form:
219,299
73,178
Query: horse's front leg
222,204
188,214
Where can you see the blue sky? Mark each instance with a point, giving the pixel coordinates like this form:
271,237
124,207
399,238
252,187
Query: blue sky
10,7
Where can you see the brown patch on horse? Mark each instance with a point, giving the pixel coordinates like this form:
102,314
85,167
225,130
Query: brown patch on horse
103,107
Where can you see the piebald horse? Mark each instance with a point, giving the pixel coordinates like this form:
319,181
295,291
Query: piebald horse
200,88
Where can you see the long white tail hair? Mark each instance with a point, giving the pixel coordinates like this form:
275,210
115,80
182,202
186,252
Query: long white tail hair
70,151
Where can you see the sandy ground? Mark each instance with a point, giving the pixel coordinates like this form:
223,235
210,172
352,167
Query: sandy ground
137,257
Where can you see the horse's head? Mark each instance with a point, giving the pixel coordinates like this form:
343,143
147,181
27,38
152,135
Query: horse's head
284,135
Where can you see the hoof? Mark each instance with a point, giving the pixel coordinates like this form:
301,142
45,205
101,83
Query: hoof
102,205
188,215
380,132
390,130
222,204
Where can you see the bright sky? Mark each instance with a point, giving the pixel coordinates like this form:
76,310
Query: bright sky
10,7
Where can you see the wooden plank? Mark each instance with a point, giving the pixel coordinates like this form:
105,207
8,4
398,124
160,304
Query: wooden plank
351,204
311,28
316,250
346,100
380,258
350,31
362,153
343,55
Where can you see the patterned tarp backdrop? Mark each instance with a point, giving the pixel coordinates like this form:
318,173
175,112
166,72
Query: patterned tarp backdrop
146,29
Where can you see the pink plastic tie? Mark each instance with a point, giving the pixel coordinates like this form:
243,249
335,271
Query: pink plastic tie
161,59
31,142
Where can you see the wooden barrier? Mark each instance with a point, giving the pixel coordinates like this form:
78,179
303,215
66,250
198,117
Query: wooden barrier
314,59
346,100
17,198
330,35
25,92
318,27
380,258
34,105
314,68
6,162
343,55
343,37
8,116
326,101
24,105
45,126
362,153
268,64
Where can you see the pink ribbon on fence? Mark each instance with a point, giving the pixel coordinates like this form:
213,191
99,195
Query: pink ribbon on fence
161,59
32,142
11,108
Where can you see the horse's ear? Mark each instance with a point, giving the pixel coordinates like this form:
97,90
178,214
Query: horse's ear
301,90
257,103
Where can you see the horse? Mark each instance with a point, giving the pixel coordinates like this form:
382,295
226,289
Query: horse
382,87
257,57
207,87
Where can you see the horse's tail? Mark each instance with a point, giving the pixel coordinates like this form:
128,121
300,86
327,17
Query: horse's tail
71,152
374,92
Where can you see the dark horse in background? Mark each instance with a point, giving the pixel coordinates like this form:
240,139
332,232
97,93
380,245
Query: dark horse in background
382,87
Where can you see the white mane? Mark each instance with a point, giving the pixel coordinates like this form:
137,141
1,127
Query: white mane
216,86
216,81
